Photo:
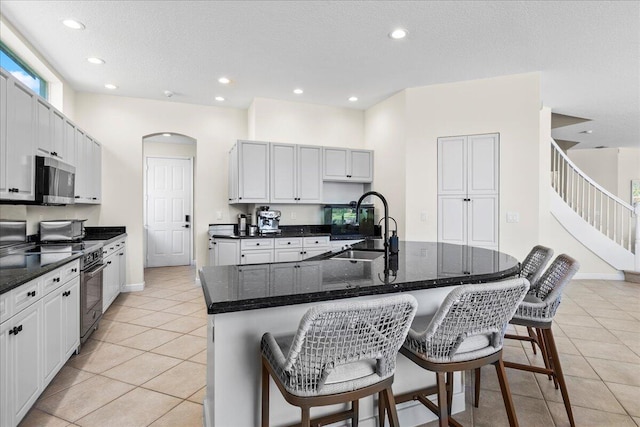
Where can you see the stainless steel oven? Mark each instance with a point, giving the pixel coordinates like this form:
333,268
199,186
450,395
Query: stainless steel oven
91,276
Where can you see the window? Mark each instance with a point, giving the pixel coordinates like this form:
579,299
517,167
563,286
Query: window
21,71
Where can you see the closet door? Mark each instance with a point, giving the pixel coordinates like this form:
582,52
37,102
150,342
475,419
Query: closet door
483,158
452,165
452,219
482,221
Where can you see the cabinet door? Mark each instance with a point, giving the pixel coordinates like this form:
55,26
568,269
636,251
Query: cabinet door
309,176
54,339
25,350
483,221
361,166
256,256
226,252
4,189
59,142
122,265
483,157
110,278
233,175
96,179
452,219
253,165
335,164
20,164
452,165
82,168
70,317
6,375
309,277
44,143
283,173
308,253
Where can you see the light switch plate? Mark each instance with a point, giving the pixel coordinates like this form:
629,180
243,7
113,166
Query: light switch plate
423,216
218,214
513,217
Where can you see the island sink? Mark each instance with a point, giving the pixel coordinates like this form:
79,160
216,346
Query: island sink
355,255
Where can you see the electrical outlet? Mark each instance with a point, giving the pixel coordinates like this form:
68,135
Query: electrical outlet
294,215
513,217
423,253
218,214
423,216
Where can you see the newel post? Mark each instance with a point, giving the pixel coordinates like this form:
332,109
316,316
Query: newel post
636,210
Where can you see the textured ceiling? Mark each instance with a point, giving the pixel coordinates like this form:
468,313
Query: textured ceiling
587,52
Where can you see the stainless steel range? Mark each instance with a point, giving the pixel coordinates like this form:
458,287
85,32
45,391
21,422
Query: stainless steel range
91,276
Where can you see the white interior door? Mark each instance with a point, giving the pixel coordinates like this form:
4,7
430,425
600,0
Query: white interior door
168,219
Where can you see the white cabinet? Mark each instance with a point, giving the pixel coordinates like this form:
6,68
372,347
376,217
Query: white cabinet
111,276
249,172
288,249
313,246
50,133
256,251
88,168
122,264
17,163
341,245
347,165
287,279
225,252
468,190
296,173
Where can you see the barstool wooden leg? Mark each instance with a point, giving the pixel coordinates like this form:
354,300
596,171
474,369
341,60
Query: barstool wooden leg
265,396
555,360
355,416
443,412
506,392
476,377
306,417
381,409
449,391
545,355
391,408
532,335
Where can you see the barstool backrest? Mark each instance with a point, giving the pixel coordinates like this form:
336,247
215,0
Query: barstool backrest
534,264
555,278
340,333
470,323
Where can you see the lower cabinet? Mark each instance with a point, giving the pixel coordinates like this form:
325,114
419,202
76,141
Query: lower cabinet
113,276
36,340
225,252
256,251
266,250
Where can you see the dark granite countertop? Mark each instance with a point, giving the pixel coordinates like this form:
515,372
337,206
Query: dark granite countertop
419,265
18,269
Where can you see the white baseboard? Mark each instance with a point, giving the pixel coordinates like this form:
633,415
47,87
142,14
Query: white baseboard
197,282
133,287
599,276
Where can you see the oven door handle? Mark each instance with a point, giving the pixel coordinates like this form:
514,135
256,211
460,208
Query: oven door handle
95,270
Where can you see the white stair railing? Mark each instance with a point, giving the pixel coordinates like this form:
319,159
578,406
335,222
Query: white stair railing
602,210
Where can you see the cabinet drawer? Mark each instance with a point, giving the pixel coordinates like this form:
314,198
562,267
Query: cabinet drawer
285,243
310,242
5,307
25,295
256,244
69,271
51,281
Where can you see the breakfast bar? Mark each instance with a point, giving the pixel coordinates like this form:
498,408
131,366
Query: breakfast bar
245,301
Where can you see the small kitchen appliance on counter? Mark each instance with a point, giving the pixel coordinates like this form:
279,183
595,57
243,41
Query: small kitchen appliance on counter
268,220
62,230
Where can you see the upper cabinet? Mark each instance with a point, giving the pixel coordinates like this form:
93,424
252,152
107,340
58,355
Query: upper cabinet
249,172
347,165
29,127
17,138
296,173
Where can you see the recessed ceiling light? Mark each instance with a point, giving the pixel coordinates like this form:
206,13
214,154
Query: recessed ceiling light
219,98
298,91
353,98
166,134
73,24
398,34
224,80
168,93
111,86
95,60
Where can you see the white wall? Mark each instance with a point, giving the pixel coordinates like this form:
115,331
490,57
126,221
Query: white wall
385,133
309,124
120,123
600,164
508,105
628,169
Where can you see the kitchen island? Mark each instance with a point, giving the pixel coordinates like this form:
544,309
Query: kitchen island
244,302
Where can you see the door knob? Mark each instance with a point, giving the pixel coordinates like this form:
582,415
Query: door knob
185,226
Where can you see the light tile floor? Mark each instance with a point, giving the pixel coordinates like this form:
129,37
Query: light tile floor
146,364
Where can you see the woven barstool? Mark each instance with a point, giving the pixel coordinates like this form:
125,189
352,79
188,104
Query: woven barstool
466,332
342,352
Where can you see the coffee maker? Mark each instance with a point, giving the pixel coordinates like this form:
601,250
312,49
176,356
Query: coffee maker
268,220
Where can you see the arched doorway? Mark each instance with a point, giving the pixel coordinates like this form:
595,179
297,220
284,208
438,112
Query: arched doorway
168,199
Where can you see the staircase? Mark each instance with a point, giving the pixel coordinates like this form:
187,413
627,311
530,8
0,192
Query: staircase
608,226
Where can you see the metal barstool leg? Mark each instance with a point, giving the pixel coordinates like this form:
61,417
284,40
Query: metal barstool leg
265,396
555,360
506,392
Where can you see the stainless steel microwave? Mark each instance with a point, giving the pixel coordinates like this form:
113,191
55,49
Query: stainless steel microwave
55,182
